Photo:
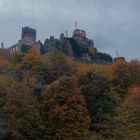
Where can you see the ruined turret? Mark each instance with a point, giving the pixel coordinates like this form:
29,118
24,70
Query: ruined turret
28,35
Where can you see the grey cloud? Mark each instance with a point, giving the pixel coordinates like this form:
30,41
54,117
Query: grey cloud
113,24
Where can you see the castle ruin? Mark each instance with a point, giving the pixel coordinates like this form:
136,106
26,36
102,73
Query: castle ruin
28,37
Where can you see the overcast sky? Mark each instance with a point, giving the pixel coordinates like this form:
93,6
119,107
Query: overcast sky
112,24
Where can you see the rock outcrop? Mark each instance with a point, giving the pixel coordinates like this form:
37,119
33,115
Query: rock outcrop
78,47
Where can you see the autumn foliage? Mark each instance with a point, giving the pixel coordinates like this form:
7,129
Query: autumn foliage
65,110
53,97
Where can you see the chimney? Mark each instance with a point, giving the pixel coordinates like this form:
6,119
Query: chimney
2,45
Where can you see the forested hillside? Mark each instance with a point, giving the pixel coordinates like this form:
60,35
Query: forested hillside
53,97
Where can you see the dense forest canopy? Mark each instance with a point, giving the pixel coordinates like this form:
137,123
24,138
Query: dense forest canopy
53,97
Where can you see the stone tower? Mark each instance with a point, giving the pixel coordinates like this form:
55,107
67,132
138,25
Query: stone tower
28,35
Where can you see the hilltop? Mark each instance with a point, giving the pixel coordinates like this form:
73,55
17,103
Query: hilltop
77,47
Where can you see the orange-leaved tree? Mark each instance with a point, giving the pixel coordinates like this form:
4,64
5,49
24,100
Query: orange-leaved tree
120,77
65,110
32,59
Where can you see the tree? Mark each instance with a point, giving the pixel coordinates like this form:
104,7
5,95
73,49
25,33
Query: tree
127,120
25,48
65,110
30,69
4,65
120,77
5,81
17,57
24,121
100,101
57,65
134,70
5,54
32,59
